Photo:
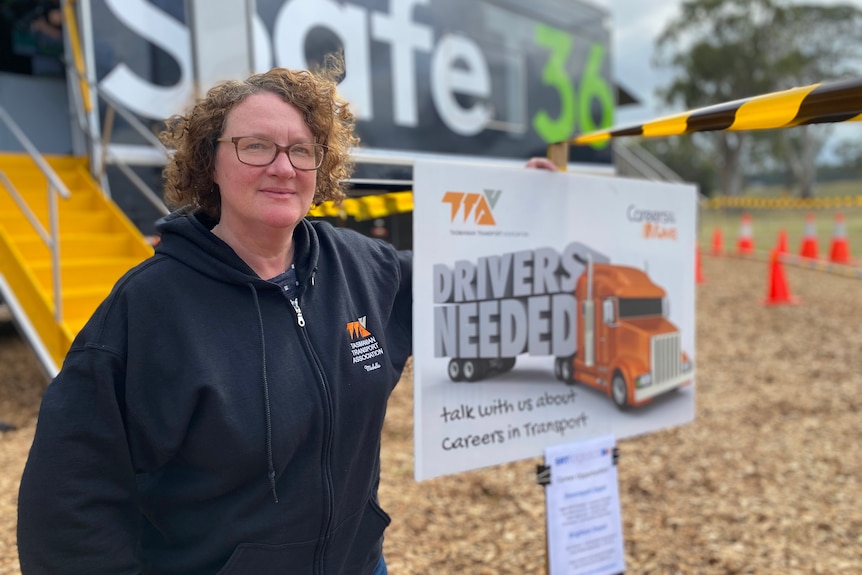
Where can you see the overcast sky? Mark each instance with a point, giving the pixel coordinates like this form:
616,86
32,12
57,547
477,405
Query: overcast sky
635,26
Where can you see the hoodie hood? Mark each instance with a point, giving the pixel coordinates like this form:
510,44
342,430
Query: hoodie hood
183,230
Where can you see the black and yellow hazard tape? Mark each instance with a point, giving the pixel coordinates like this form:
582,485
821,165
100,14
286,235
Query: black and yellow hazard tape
824,102
366,207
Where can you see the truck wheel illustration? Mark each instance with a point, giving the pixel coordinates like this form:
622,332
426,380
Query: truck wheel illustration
564,370
473,369
455,371
619,391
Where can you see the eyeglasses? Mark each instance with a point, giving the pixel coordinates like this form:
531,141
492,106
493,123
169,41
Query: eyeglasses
254,151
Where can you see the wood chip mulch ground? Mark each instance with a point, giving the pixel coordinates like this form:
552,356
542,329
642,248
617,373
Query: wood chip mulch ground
768,479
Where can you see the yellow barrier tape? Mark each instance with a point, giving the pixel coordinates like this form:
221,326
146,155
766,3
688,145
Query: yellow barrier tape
721,202
71,25
367,207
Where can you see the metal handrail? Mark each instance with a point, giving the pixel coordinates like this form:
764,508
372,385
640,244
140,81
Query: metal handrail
24,207
133,121
632,160
645,156
105,155
148,193
114,108
76,68
55,187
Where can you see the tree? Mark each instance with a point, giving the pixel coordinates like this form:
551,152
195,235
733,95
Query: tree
726,50
849,155
711,45
815,45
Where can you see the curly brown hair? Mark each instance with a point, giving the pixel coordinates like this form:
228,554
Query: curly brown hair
188,173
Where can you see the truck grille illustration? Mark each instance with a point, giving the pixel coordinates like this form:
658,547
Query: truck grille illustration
665,353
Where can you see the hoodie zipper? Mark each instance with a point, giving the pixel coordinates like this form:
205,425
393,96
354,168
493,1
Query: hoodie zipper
321,551
299,319
295,303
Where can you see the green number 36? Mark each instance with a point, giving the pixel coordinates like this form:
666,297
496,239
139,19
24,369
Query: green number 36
572,108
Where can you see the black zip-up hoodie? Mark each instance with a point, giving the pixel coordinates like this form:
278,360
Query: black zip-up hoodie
203,423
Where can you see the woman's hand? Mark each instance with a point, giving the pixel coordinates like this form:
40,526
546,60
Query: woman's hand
540,163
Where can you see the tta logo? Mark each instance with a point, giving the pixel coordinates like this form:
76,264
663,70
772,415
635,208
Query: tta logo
364,346
357,328
473,206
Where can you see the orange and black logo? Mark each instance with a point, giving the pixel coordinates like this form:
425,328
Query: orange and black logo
473,207
363,345
357,328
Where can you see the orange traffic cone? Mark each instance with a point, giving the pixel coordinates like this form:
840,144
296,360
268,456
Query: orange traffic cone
781,246
779,291
698,273
839,252
809,248
745,243
717,241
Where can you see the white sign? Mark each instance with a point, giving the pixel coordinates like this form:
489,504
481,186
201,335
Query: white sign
355,26
548,308
585,530
494,78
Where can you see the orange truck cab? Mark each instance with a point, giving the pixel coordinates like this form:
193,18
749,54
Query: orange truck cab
626,345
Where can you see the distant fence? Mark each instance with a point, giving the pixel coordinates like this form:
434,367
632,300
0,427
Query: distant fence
748,202
808,240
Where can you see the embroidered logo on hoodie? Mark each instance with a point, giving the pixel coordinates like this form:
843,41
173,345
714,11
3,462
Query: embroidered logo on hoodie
364,345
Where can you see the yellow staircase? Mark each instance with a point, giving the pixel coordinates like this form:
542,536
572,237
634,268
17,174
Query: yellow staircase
97,245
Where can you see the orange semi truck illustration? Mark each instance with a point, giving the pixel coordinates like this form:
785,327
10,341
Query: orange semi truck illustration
627,347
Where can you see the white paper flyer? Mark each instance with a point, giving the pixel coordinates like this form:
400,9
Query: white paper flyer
583,509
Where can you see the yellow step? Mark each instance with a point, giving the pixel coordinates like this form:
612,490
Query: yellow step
83,272
79,245
35,180
71,221
38,202
79,304
97,246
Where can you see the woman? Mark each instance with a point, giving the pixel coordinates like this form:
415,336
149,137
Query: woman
221,412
